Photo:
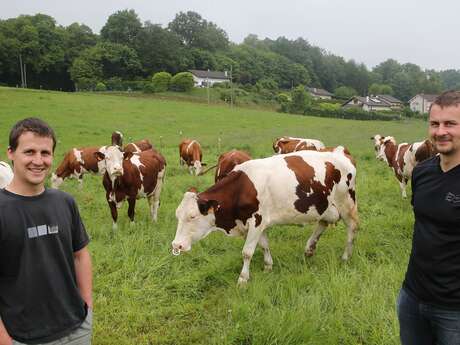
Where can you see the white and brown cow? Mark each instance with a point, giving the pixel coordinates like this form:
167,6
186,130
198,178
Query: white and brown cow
291,144
132,176
402,158
190,155
6,174
138,146
295,188
227,162
76,163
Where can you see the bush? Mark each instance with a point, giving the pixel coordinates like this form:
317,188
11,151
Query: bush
182,82
149,88
114,84
100,86
161,81
267,84
301,100
223,85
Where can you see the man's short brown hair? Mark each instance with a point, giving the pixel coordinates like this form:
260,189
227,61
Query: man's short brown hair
30,124
450,98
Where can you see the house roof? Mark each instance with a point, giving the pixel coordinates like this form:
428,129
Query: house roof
370,101
426,97
209,74
389,98
319,92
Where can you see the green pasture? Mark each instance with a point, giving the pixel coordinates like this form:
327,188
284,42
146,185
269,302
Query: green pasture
144,295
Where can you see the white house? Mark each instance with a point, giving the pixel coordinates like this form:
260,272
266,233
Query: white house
369,103
421,103
319,93
205,78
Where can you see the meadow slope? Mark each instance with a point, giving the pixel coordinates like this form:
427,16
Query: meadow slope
144,295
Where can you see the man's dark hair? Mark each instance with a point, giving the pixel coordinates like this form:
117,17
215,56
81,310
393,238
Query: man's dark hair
30,124
450,98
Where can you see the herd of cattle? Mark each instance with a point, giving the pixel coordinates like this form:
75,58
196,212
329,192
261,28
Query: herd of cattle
303,182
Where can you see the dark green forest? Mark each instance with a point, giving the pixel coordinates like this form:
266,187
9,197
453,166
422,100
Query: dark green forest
126,50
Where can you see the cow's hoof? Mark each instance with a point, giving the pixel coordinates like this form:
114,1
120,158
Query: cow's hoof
309,253
242,282
345,257
133,223
268,268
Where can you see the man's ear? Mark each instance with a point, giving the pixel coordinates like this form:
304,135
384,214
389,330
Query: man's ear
206,206
99,156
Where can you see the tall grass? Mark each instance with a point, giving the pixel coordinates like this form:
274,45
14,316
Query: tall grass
144,295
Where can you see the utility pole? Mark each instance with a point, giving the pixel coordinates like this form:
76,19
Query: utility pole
22,72
207,84
231,86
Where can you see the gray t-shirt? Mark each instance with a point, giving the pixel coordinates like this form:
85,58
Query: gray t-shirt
39,296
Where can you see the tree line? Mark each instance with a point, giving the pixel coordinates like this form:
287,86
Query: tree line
37,51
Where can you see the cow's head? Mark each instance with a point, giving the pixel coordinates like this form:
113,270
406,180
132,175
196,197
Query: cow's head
198,167
112,160
379,146
56,181
117,138
195,220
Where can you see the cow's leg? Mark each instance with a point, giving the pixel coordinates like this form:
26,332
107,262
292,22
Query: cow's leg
252,239
80,182
350,218
314,238
131,206
190,169
154,200
114,212
402,185
268,260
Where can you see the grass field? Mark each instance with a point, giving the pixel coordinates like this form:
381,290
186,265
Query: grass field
144,295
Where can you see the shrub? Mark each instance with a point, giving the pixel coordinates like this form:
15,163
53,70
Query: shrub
223,85
114,84
301,100
161,81
149,88
182,82
100,86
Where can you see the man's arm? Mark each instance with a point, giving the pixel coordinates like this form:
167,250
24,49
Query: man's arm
5,338
84,275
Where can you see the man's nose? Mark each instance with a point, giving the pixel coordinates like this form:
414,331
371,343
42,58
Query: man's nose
37,159
441,130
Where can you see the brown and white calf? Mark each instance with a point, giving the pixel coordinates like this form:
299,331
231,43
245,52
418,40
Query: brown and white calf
402,158
76,163
226,162
291,144
132,176
190,155
138,146
295,188
6,174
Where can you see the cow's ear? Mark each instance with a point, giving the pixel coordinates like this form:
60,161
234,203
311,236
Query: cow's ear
205,206
99,156
127,155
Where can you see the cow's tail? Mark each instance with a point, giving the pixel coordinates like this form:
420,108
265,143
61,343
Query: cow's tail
205,171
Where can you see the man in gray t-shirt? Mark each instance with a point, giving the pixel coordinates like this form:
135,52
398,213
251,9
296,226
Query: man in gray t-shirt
45,266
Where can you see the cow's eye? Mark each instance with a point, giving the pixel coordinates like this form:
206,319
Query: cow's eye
192,217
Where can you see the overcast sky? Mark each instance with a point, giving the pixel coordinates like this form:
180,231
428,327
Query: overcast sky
419,31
